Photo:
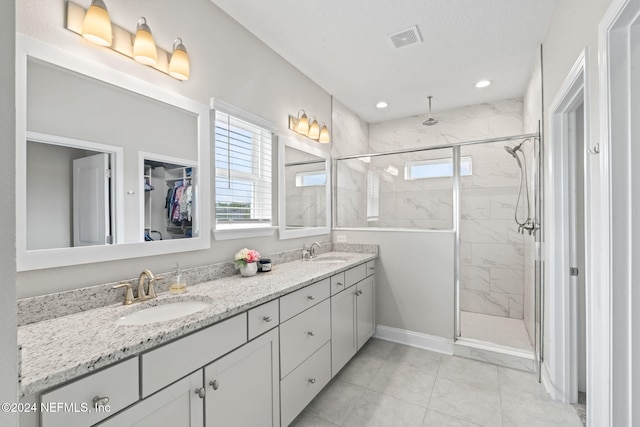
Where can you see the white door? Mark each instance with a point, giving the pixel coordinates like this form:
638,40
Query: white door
91,219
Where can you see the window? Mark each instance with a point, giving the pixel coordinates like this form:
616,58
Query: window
242,173
311,179
436,168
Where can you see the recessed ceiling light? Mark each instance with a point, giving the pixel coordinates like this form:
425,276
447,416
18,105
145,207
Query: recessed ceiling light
483,83
382,104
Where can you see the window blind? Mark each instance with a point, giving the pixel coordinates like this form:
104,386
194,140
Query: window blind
243,173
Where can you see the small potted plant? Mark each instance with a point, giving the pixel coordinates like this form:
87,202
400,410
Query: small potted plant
247,261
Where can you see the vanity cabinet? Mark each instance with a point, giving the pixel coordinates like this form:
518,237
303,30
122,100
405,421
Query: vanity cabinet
243,387
352,316
180,404
259,368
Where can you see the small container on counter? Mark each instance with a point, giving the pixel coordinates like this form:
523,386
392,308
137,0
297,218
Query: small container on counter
264,265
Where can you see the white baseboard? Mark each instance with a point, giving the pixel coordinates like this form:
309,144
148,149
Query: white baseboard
415,339
545,378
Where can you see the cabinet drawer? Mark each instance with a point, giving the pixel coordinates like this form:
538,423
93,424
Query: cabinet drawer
301,336
263,318
118,383
337,283
166,364
303,384
371,268
304,298
355,274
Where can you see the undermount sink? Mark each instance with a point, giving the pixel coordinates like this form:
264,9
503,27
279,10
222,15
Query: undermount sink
328,260
161,313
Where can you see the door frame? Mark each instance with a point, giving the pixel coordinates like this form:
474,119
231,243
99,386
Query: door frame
618,248
558,376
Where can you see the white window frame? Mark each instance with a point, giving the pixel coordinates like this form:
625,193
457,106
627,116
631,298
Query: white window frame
243,230
300,176
437,162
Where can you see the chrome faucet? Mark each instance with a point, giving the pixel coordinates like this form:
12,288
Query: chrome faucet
312,249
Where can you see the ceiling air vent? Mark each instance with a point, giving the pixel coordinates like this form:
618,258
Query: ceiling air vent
406,37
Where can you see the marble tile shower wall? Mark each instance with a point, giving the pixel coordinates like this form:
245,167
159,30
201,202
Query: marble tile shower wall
492,258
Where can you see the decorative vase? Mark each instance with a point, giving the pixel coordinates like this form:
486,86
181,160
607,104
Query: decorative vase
249,269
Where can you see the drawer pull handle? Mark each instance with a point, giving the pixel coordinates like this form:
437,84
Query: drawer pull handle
372,268
312,380
267,319
201,392
214,384
358,293
311,334
100,401
340,284
311,297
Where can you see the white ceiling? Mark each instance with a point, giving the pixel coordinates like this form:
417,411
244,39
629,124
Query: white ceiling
343,45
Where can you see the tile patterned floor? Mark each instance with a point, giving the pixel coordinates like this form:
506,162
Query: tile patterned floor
392,385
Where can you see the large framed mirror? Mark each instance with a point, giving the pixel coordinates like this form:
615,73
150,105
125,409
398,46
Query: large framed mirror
304,191
90,142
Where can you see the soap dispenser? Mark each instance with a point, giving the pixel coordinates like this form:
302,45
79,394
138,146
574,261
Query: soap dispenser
177,285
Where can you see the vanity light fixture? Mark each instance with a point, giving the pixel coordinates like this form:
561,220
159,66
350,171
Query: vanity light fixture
300,125
94,25
144,47
179,63
483,83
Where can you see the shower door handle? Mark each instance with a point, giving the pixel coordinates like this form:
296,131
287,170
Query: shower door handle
573,271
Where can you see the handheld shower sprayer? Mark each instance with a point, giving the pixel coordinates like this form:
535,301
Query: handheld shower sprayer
527,224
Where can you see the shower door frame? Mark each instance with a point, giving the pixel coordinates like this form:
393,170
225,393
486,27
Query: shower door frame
455,148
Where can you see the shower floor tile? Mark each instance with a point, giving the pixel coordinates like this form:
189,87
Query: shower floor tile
495,329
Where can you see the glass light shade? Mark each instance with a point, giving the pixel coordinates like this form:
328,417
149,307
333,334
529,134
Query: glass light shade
303,124
144,47
324,135
97,26
179,63
314,130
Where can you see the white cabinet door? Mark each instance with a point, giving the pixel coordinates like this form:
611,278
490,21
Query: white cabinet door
178,405
343,328
365,309
243,387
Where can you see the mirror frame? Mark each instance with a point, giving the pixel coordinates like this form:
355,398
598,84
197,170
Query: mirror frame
283,232
26,48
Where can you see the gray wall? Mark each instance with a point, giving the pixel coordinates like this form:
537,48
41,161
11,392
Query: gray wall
227,63
8,321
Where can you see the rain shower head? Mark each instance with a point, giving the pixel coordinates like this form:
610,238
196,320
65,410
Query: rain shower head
431,120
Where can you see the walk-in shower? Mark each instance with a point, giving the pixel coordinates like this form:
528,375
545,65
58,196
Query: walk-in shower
471,191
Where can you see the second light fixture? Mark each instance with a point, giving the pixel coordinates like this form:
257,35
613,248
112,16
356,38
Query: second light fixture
312,130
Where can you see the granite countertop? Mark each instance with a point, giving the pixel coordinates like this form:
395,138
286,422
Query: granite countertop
57,350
